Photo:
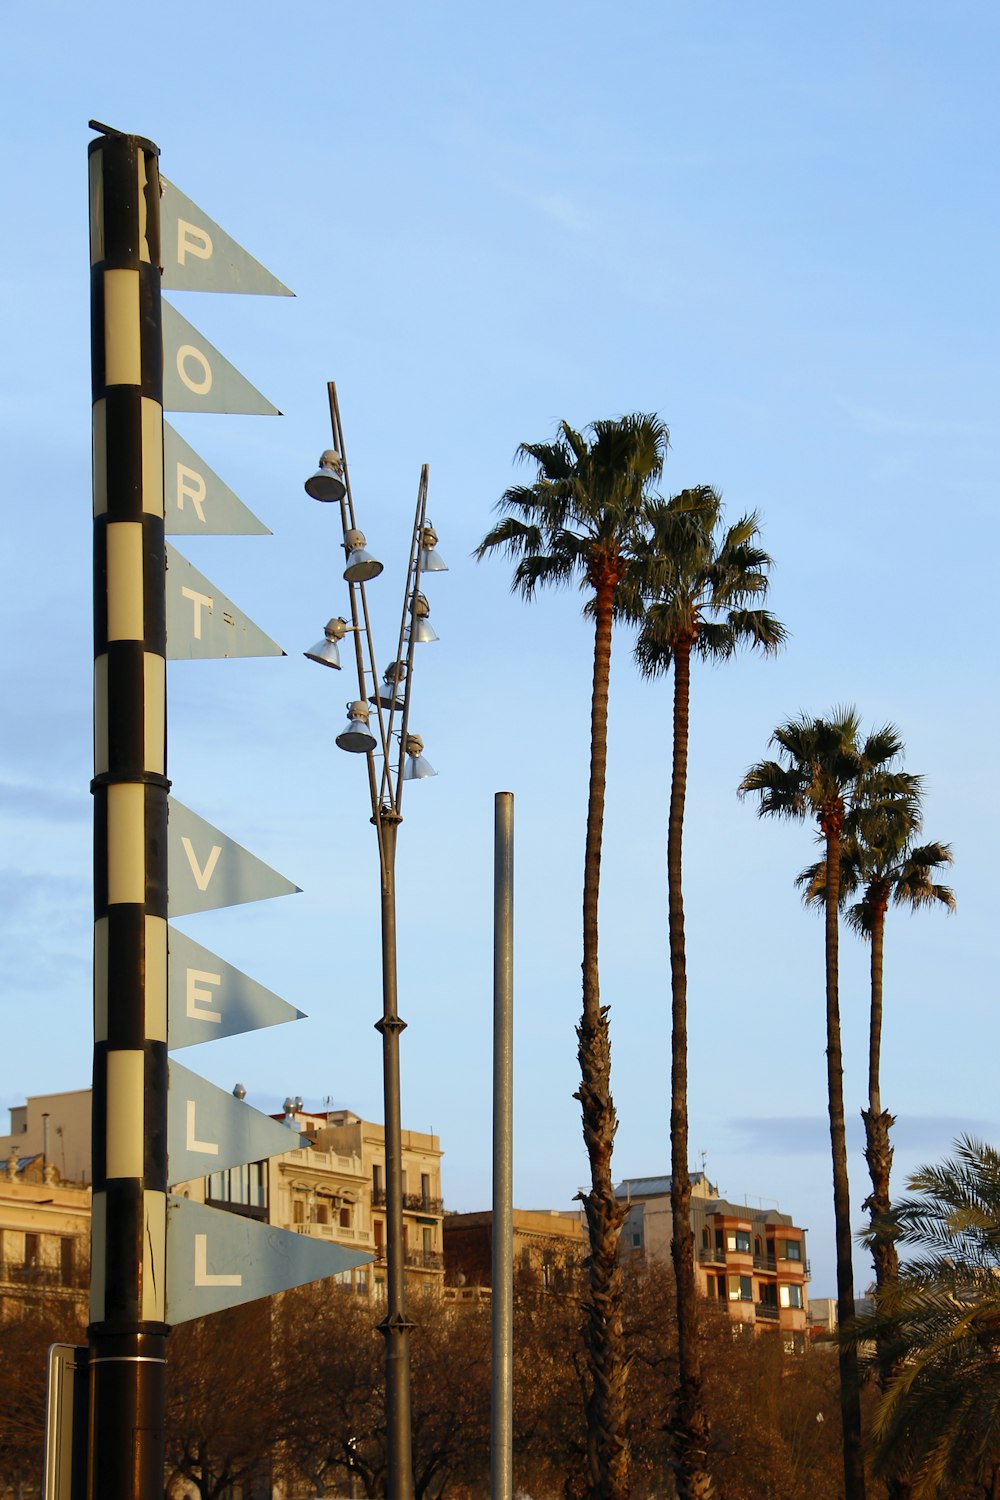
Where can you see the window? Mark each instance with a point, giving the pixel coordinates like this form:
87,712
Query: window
378,1225
31,1249
66,1260
378,1188
790,1249
298,1211
636,1240
738,1240
790,1296
425,1188
244,1186
427,1240
741,1288
345,1218
768,1294
721,1280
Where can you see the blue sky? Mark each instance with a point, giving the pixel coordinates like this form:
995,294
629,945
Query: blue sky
777,228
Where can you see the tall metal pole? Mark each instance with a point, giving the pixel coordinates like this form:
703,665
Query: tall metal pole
395,1326
386,800
127,1333
502,1401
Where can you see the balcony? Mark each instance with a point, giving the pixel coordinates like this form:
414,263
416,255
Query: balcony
36,1275
422,1204
765,1263
419,1203
424,1260
708,1255
766,1312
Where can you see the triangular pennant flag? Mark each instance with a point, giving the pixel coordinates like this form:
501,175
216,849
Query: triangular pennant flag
196,377
217,1259
196,502
198,256
209,1129
202,623
206,870
207,998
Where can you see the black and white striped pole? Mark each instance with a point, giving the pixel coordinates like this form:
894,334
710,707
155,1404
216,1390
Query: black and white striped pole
127,1333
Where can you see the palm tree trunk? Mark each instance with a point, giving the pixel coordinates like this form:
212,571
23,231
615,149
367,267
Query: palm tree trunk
602,1330
850,1392
689,1427
878,1122
878,1154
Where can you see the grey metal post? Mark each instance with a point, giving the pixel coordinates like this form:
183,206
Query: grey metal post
502,1404
395,1326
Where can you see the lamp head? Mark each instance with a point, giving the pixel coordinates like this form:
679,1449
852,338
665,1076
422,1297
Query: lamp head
390,693
431,560
356,736
416,767
361,566
327,651
328,481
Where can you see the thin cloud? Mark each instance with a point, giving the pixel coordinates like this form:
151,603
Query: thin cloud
22,799
809,1135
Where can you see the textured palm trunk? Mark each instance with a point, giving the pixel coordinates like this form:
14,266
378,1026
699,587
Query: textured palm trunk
831,822
878,1122
602,1330
878,1154
689,1427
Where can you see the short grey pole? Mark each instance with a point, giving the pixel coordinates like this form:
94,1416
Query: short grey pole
502,1403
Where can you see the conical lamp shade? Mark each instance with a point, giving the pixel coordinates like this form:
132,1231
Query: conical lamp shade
361,567
326,652
417,768
356,736
423,632
327,484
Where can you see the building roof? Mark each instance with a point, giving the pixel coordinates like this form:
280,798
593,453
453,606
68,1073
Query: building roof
654,1187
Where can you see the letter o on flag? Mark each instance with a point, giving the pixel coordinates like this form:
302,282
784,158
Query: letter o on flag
189,361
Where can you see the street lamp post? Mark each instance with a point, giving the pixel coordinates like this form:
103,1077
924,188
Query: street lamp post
389,697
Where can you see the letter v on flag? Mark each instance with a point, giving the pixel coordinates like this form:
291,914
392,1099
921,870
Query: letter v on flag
202,623
199,256
217,1259
206,870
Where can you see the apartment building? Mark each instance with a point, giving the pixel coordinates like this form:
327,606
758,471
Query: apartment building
752,1261
44,1236
331,1189
336,1189
547,1245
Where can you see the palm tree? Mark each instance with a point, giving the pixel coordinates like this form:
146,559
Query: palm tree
705,579
939,1420
880,859
583,518
824,771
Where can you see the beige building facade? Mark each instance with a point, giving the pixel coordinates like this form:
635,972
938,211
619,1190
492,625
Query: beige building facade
334,1189
751,1261
548,1244
331,1189
44,1237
